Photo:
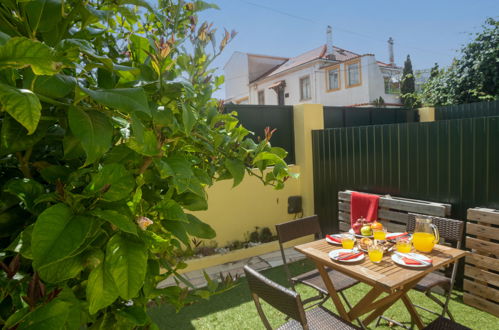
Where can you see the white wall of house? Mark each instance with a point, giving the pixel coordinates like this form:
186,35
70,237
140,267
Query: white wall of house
292,88
241,68
236,77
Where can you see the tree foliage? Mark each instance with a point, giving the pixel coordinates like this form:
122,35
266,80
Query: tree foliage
471,78
109,136
408,87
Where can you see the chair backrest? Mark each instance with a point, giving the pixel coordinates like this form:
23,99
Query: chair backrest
279,297
392,211
481,270
293,229
449,229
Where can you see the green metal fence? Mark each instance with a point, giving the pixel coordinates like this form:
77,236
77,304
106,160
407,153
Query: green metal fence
256,117
335,117
471,110
453,161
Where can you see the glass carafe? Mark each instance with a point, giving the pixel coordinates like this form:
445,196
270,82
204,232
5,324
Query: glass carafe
425,235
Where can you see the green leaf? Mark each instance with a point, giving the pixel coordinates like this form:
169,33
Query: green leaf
56,86
118,219
57,234
47,317
27,190
135,314
44,15
163,168
197,228
188,118
16,317
3,38
182,169
72,147
171,210
101,290
113,178
193,202
149,146
139,46
23,243
177,229
126,260
271,157
61,270
236,168
70,45
93,130
20,52
22,104
125,99
53,173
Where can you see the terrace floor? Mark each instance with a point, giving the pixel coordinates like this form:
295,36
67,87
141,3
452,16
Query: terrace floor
235,308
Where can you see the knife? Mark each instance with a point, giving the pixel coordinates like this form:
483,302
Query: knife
350,256
413,257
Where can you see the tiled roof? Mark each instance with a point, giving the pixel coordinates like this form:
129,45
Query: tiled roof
314,54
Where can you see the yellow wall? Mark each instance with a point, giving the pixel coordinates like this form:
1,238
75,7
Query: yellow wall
426,114
234,212
307,117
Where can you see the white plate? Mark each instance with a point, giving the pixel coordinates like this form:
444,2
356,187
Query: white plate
333,242
333,254
356,235
398,260
393,234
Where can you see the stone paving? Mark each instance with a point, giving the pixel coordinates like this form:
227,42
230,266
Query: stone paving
235,268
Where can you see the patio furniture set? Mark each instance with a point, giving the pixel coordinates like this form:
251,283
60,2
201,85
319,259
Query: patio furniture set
389,281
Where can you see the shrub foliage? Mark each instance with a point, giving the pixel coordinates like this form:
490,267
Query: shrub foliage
109,136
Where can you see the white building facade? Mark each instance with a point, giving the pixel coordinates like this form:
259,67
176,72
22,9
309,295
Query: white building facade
326,75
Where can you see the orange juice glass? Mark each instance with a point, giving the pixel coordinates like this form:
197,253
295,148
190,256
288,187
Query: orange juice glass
403,245
423,242
375,253
347,242
379,234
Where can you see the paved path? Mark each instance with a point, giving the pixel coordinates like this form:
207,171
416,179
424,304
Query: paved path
235,268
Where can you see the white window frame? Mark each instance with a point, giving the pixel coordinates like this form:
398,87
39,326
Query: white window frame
328,80
262,93
304,97
347,73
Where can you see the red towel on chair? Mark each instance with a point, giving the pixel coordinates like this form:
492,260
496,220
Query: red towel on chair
363,205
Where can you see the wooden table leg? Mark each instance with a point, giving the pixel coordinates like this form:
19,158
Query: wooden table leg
332,292
389,302
414,314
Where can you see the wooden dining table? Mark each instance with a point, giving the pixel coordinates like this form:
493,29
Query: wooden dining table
385,276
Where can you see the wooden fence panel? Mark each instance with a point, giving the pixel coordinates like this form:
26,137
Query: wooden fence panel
481,283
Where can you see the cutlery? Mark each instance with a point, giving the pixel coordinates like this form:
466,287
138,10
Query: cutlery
334,239
352,255
414,257
396,236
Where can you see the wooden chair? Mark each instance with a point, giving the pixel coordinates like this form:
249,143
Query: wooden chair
289,303
291,230
452,232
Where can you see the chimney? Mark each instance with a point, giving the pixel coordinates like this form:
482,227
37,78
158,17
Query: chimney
329,43
390,51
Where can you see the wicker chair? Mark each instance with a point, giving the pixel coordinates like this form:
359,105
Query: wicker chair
289,303
291,230
452,232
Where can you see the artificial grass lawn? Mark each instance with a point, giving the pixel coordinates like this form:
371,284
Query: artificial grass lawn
235,308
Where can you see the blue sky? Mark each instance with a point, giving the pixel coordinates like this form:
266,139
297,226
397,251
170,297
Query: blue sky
430,31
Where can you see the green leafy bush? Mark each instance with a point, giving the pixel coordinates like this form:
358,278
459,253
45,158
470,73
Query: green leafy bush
109,137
